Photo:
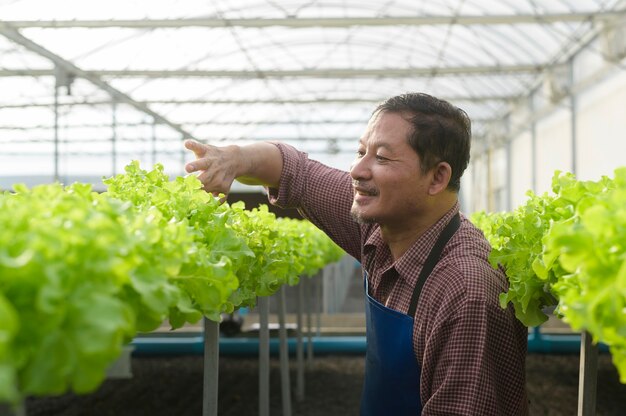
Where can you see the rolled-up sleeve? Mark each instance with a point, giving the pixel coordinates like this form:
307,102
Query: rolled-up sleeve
291,185
321,194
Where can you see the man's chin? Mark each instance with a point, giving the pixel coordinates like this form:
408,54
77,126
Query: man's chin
362,218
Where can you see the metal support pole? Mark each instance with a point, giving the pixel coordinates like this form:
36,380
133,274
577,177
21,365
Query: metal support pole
113,137
490,195
533,145
154,151
56,133
309,322
475,186
263,304
285,384
573,103
211,367
326,289
588,376
299,345
318,304
509,175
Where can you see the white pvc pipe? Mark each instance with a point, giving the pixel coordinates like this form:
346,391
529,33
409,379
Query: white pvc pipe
285,384
211,367
588,376
299,346
309,323
264,356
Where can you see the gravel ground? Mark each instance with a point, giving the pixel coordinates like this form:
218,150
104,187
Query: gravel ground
172,386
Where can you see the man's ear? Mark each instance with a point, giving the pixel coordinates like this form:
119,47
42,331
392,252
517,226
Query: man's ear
441,175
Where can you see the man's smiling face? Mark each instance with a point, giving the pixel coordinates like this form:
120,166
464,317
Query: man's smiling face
389,186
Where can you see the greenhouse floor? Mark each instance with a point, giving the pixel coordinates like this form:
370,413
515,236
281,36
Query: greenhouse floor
172,386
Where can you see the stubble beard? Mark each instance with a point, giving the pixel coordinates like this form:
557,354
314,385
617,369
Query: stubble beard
359,218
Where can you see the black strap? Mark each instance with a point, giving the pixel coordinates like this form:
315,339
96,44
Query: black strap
432,260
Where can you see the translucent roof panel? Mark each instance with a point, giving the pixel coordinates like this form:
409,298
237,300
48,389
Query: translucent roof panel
126,79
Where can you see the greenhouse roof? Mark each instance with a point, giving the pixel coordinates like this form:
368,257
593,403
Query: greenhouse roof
139,76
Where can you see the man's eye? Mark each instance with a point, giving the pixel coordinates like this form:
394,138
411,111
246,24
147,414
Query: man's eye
381,158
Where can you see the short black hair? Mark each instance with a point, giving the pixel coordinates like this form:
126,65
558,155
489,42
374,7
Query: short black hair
441,131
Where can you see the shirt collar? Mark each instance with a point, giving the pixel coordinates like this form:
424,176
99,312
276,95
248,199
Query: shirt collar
409,265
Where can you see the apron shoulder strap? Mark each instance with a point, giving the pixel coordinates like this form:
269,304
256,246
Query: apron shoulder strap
431,261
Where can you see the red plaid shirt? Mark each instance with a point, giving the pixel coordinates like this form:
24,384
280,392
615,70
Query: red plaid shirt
471,351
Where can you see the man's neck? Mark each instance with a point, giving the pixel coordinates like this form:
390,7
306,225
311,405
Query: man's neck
400,237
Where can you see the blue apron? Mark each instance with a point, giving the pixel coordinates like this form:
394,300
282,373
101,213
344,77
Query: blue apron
392,373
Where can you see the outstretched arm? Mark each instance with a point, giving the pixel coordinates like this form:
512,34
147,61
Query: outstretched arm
255,164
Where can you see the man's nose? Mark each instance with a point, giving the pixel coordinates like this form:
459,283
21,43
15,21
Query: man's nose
359,168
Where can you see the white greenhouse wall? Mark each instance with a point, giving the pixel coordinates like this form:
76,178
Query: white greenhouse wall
466,193
498,183
521,168
554,148
477,200
602,129
600,144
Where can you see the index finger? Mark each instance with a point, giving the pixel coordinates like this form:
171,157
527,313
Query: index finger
198,148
